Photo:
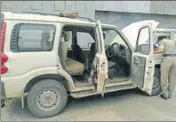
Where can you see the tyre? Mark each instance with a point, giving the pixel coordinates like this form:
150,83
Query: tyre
156,83
47,98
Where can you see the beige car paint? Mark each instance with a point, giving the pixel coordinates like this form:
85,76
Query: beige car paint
23,67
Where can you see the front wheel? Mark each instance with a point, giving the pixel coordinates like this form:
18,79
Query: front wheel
156,83
47,98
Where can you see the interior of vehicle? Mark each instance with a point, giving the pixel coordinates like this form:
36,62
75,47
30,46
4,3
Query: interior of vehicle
118,54
78,50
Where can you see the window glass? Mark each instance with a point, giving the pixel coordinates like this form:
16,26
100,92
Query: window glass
143,43
34,37
112,36
84,39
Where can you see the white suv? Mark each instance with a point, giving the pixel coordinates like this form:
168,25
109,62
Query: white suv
48,57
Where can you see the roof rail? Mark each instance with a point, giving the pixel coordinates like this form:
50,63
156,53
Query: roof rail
72,15
39,13
85,18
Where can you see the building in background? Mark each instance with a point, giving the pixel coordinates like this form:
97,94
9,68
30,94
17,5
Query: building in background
120,13
124,12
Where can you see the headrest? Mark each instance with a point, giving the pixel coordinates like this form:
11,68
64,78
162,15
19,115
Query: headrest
45,36
66,36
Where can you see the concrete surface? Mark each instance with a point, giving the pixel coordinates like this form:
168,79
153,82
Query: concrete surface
124,105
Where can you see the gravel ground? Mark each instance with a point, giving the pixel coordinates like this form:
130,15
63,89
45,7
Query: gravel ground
124,105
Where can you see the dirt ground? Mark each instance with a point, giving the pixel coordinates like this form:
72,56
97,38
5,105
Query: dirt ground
124,105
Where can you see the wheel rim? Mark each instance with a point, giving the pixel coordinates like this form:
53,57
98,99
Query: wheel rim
48,99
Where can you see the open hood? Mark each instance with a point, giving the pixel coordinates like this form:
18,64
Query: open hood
131,31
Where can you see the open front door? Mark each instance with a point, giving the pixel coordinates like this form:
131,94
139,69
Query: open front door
101,60
142,64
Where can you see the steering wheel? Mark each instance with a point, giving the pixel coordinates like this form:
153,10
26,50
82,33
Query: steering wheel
121,51
112,50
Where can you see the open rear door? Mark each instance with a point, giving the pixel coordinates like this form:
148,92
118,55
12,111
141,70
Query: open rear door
101,60
143,64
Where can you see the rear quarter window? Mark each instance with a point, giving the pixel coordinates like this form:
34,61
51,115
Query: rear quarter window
32,37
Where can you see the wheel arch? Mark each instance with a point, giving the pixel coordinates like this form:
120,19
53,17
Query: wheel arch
56,77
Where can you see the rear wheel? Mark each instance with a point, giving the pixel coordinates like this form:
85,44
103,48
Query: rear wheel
156,83
47,98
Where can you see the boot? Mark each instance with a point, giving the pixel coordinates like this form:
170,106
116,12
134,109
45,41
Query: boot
163,96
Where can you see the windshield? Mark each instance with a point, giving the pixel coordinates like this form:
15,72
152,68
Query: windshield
112,36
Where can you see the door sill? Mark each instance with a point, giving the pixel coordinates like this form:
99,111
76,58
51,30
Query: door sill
119,79
110,87
82,84
87,87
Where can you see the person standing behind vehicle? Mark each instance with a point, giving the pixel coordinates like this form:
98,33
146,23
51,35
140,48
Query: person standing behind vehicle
168,67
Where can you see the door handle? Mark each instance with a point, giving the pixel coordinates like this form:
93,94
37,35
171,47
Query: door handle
102,65
136,60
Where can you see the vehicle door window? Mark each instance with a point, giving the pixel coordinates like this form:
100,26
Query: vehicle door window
143,43
111,36
118,54
32,37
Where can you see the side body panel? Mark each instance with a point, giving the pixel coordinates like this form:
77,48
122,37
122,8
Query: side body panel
24,66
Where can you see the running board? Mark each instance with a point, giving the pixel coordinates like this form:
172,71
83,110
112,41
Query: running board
119,87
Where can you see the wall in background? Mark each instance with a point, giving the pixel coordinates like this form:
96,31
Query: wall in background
163,7
123,6
122,19
120,13
84,8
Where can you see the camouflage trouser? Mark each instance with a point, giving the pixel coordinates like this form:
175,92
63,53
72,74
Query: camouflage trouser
168,76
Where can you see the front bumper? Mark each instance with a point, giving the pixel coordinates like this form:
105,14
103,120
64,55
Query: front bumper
3,95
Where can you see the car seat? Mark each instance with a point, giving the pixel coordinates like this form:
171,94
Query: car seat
91,56
78,53
72,66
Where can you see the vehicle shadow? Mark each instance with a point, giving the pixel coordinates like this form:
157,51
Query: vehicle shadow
13,110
